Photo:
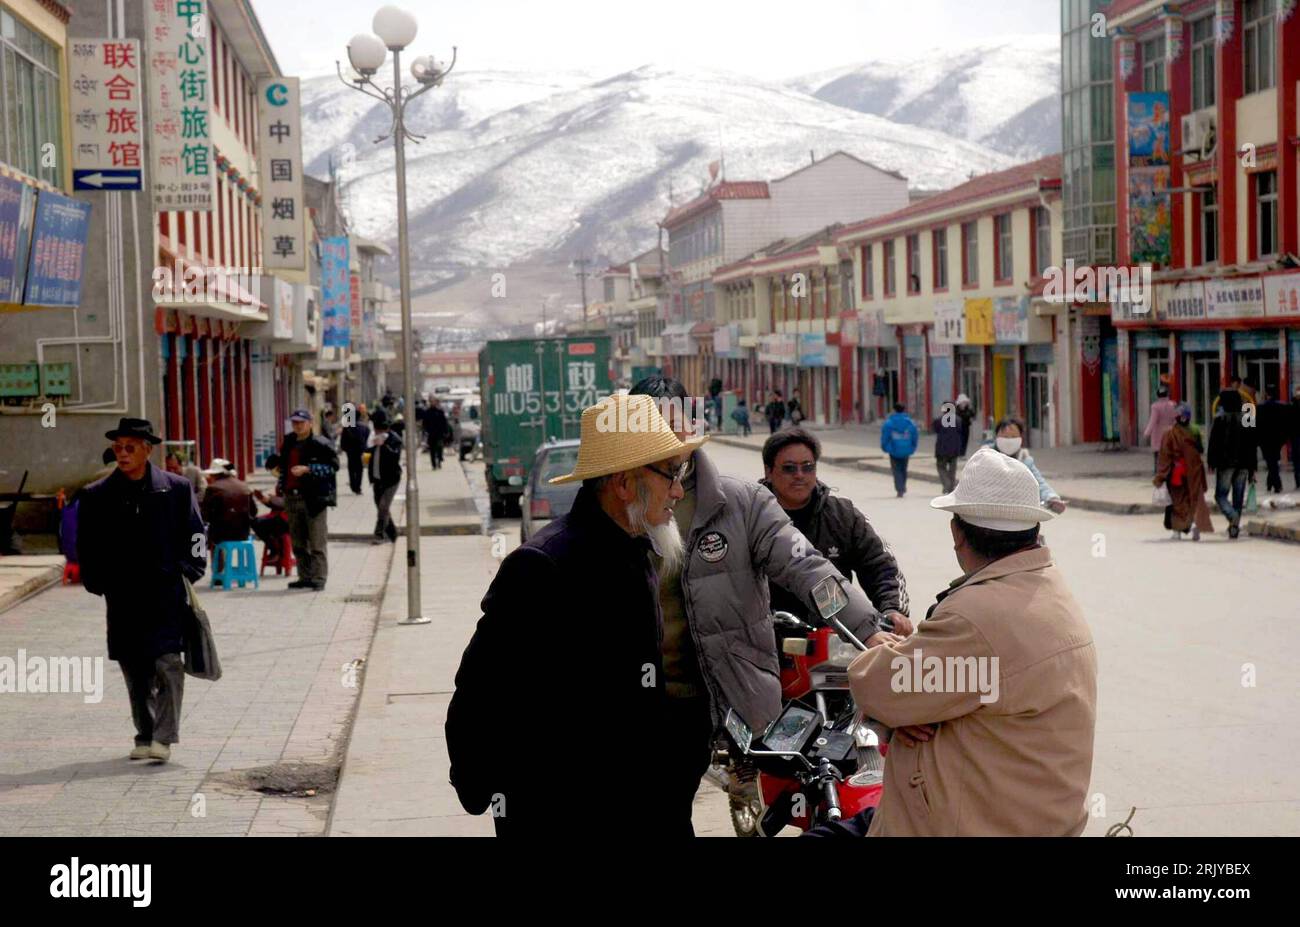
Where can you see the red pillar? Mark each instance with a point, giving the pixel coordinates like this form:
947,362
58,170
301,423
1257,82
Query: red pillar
1228,84
248,406
1288,66
203,365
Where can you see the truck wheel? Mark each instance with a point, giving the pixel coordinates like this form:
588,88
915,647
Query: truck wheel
498,507
512,507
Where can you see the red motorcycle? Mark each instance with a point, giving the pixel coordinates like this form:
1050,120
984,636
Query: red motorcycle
820,760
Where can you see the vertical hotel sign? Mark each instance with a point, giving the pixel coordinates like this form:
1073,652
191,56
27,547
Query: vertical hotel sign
1149,224
180,95
105,101
280,164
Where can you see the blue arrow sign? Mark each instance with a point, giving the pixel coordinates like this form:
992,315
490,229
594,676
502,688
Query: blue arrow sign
110,179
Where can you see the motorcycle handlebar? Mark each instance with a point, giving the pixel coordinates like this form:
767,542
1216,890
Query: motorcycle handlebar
832,794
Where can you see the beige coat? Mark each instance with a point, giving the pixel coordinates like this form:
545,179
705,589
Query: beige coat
1017,764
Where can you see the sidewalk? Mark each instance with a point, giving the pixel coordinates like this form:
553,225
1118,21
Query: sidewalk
260,749
27,574
1092,477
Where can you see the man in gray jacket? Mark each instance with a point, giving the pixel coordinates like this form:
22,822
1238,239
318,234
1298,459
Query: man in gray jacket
719,645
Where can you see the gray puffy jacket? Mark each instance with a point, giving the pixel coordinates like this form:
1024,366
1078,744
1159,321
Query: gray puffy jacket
741,538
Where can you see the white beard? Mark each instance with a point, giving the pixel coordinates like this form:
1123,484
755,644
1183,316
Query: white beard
665,538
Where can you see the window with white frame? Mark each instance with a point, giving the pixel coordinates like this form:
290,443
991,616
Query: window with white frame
1258,40
1042,239
970,252
1203,62
914,263
1266,213
868,272
889,267
1209,226
1153,64
32,116
939,239
1002,237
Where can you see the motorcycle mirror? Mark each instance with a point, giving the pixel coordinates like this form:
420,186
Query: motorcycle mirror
738,730
830,598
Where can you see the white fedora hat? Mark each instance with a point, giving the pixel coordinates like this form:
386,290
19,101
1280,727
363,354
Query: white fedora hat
996,492
219,465
624,432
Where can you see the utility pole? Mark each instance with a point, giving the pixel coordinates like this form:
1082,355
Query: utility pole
582,275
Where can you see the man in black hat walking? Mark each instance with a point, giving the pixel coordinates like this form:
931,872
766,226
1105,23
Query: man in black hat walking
139,537
385,475
308,482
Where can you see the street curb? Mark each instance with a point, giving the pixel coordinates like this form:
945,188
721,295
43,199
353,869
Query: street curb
459,527
36,584
1266,529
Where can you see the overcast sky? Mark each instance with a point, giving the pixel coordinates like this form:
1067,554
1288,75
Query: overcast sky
767,39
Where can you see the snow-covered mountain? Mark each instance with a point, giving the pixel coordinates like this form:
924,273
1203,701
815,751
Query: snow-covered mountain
1001,94
526,170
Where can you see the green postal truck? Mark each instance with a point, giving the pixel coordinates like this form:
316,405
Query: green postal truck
571,372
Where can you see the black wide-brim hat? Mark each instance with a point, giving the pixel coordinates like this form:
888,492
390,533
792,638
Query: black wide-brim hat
133,428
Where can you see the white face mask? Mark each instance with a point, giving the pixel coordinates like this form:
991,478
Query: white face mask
1008,446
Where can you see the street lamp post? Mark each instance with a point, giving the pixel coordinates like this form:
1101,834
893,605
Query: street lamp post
394,29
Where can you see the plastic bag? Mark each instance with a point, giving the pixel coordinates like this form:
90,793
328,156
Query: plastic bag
1161,496
1252,502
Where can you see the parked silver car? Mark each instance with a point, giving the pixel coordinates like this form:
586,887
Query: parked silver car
541,501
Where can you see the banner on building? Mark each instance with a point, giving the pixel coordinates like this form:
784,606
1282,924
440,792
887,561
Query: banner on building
336,294
1149,223
354,313
813,351
1181,302
874,332
949,322
1282,294
778,348
58,252
180,97
282,311
279,158
17,202
979,321
105,107
1239,298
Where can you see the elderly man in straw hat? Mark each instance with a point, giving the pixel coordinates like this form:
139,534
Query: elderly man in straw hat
994,698
563,677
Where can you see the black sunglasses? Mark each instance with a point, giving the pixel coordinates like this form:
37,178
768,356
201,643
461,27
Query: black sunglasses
793,468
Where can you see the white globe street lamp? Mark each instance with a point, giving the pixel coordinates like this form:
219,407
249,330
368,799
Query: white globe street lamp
395,29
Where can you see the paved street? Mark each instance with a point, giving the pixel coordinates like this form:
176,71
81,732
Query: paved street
1179,736
1178,626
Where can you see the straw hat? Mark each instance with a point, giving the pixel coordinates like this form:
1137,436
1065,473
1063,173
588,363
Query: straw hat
624,432
996,492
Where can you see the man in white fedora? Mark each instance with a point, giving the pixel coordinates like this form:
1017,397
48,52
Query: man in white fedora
563,676
994,698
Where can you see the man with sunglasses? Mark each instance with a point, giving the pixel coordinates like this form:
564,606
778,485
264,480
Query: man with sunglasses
833,526
719,646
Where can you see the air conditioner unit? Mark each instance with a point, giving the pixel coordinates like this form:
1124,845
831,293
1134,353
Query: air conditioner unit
1200,135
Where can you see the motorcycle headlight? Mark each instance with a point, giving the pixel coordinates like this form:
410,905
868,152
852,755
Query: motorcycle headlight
840,652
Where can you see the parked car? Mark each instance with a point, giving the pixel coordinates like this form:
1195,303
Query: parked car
542,501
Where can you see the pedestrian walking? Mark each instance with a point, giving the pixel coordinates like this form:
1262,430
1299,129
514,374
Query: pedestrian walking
385,475
965,412
898,439
795,409
1272,426
948,444
139,538
584,567
353,441
1232,458
228,508
740,415
308,483
775,412
1025,730
1179,467
436,431
1163,412
1009,439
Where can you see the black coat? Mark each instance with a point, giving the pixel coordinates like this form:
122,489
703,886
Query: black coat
1232,443
950,440
435,424
559,697
320,487
353,438
841,533
138,560
390,461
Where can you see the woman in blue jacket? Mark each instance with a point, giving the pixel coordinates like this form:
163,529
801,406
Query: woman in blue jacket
898,439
